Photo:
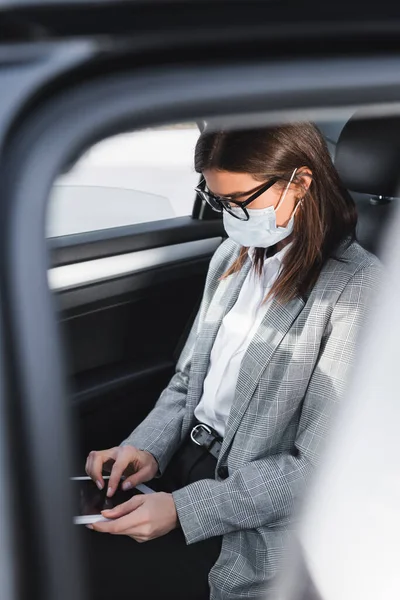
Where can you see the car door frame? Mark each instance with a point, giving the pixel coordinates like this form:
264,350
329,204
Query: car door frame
38,149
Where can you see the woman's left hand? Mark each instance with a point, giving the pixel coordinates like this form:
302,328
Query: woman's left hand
144,517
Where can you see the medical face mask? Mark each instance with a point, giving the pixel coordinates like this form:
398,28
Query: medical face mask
261,230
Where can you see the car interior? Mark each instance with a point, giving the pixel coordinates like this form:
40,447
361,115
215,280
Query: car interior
125,298
92,323
124,322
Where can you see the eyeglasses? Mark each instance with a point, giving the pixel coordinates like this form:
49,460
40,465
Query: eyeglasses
236,208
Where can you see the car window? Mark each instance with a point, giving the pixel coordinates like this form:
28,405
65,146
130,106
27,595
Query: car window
130,178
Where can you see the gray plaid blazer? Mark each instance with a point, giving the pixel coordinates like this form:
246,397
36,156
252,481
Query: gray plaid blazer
292,376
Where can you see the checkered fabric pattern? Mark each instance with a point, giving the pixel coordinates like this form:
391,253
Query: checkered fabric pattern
292,377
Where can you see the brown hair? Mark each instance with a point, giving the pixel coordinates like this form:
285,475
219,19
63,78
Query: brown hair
327,215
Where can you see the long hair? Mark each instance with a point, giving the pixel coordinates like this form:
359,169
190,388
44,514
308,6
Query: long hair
327,215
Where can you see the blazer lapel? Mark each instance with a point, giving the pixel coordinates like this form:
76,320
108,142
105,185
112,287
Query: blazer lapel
276,323
223,300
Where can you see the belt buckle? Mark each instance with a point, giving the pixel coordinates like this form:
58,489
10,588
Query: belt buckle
196,428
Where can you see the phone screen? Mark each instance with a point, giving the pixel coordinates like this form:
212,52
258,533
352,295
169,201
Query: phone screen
90,501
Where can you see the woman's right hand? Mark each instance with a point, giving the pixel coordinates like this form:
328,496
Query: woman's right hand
138,466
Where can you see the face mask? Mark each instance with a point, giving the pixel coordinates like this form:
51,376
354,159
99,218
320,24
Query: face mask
261,230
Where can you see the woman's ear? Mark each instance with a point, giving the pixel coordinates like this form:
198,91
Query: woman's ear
304,178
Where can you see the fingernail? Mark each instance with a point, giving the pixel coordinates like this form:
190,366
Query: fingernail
89,526
99,484
109,491
127,486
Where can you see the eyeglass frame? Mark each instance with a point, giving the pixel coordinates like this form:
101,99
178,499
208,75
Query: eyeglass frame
219,200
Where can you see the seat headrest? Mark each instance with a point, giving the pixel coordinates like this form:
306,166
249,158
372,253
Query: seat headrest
368,155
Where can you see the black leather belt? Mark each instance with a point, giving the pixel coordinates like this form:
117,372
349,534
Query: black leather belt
207,438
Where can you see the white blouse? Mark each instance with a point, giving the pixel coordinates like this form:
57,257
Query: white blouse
237,329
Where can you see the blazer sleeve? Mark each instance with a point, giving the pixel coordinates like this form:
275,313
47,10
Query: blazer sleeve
161,431
265,492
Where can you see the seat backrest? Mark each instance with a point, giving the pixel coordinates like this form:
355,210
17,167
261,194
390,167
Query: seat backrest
368,162
373,218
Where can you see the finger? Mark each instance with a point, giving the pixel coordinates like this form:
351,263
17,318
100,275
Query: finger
94,465
121,462
89,462
140,477
120,526
97,468
125,508
94,468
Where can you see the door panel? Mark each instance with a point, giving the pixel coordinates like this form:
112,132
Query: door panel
123,330
81,283
81,247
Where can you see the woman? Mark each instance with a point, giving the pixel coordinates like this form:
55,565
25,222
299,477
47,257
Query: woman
238,431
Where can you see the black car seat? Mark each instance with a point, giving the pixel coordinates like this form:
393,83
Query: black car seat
368,161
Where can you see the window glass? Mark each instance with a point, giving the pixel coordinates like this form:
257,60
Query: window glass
131,178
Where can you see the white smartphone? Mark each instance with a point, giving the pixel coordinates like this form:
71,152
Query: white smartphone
90,501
